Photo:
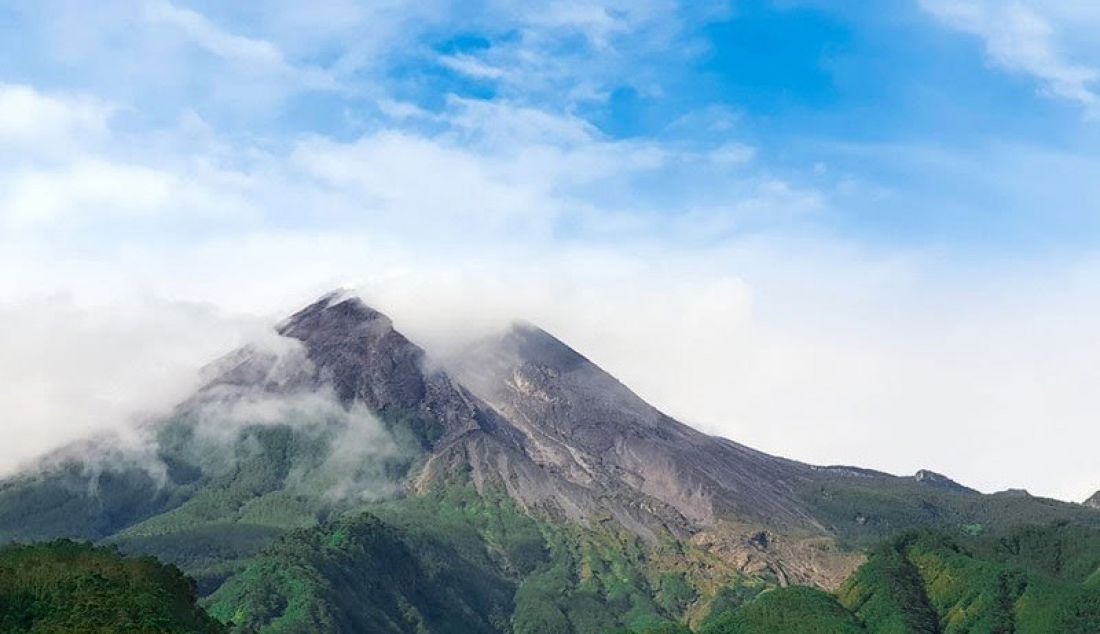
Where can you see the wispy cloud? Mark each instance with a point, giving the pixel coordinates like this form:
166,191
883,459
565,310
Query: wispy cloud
471,66
252,54
206,35
1022,37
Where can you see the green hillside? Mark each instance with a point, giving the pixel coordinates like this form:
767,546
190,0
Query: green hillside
458,561
1034,580
794,610
455,560
65,586
926,582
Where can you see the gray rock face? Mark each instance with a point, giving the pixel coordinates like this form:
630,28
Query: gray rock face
940,481
527,413
356,350
580,422
1094,501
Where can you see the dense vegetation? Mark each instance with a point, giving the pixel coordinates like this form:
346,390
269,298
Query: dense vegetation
358,575
1036,579
65,586
794,610
459,561
230,500
927,582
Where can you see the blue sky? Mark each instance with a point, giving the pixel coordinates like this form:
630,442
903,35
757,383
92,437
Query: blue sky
890,209
913,120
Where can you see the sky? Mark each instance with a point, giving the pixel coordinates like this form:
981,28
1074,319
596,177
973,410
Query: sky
847,233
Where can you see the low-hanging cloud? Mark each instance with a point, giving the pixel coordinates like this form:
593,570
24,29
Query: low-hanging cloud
271,383
341,451
68,370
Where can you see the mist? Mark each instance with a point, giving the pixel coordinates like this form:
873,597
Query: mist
69,370
351,455
127,379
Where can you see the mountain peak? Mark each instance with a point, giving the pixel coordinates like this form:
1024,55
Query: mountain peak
534,345
940,481
356,349
337,310
1093,501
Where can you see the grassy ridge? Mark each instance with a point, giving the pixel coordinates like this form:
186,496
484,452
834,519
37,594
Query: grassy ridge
926,582
457,561
863,512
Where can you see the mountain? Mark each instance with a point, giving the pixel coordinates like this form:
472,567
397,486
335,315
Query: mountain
1093,501
577,420
337,478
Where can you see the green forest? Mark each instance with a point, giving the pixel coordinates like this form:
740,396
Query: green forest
457,562
66,586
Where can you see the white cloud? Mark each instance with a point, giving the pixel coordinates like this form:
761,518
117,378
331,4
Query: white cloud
402,110
471,66
234,48
93,191
732,154
69,370
251,54
87,187
31,119
240,61
1024,37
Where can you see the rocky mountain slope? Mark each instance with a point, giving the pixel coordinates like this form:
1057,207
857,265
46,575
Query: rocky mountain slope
570,496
